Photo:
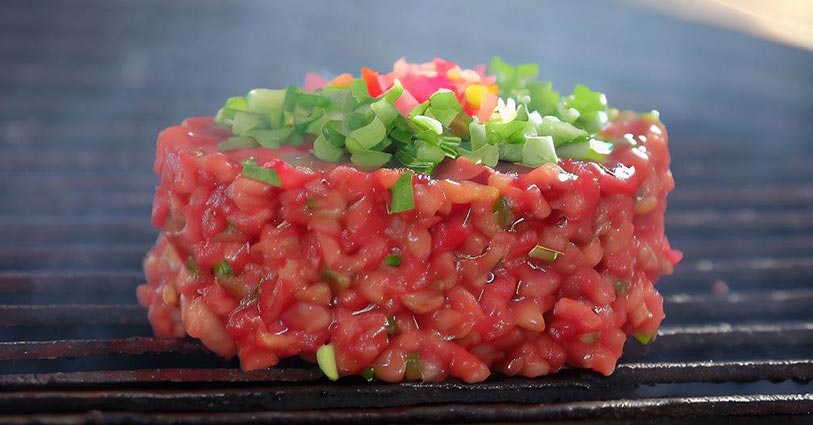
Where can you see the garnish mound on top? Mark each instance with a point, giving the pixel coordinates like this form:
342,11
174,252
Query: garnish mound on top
418,115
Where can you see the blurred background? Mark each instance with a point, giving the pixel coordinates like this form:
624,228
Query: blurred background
85,87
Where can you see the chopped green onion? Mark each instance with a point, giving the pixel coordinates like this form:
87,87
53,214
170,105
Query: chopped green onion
269,102
368,374
544,253
444,106
591,150
325,151
346,121
560,131
502,211
237,142
338,281
265,100
393,260
414,366
192,266
223,269
621,287
477,133
244,121
392,325
429,152
643,338
538,150
402,196
358,88
256,172
486,155
589,338
326,358
543,97
237,102
364,138
510,151
385,111
394,93
270,138
370,159
422,122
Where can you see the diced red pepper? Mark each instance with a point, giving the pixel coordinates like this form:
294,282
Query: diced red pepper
373,84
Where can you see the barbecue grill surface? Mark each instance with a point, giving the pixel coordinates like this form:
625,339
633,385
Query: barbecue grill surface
86,86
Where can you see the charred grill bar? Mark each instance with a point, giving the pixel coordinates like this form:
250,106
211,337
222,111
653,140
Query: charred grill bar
75,194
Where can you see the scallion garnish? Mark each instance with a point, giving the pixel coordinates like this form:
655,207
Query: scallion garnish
192,266
531,125
402,196
326,359
414,366
621,287
254,171
223,269
392,325
590,150
541,252
234,143
393,260
338,281
368,374
643,338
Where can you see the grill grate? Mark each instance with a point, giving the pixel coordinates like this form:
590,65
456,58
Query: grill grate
83,91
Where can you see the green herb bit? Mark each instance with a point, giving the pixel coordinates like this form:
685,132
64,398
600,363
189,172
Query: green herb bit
538,150
544,253
326,151
254,171
560,131
326,358
270,138
370,160
223,269
643,338
234,143
393,260
392,325
589,338
621,287
503,211
402,197
414,366
192,266
591,150
338,281
368,374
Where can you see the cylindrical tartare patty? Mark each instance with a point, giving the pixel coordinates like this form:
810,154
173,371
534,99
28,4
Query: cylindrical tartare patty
507,268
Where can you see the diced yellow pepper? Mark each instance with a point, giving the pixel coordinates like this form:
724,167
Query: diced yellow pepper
474,95
453,74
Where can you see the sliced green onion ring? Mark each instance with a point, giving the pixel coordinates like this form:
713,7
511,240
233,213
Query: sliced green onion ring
541,252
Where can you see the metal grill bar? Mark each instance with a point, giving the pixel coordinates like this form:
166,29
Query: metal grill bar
676,410
70,315
678,338
537,400
632,373
42,350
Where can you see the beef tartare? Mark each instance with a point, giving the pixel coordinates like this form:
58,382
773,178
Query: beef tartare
426,223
